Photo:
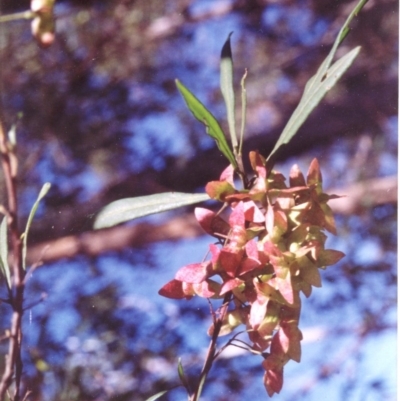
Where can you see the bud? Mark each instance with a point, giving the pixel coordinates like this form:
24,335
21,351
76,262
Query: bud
43,25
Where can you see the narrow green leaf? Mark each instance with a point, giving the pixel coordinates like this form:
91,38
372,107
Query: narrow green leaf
200,387
244,107
127,209
313,96
157,396
204,116
346,28
182,376
318,85
4,267
42,194
226,82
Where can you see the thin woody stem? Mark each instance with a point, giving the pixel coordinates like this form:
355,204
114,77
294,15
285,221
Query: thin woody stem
17,16
13,363
211,352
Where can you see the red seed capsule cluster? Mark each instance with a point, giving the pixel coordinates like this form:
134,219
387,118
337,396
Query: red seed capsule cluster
270,249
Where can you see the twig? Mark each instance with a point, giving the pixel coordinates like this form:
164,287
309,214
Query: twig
233,340
37,302
5,336
211,353
33,268
13,363
28,393
17,16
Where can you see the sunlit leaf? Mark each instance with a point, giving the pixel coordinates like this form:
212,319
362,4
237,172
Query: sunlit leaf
229,285
253,213
42,194
257,311
194,273
206,289
314,92
226,82
316,88
157,396
285,287
314,176
203,115
218,190
127,209
237,217
296,177
211,223
4,267
173,289
309,271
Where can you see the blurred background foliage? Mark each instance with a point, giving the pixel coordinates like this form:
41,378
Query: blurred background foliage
102,119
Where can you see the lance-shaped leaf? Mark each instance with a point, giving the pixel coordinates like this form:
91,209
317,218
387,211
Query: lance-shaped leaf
226,82
157,396
4,267
42,194
203,115
316,88
182,376
244,106
127,209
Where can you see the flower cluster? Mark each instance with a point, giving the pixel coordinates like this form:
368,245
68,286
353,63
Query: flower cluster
270,249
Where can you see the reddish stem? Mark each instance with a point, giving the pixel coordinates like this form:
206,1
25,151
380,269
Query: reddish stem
210,358
13,364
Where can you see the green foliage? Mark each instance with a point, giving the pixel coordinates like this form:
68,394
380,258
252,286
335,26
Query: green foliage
204,116
318,85
127,209
316,88
157,396
42,194
182,376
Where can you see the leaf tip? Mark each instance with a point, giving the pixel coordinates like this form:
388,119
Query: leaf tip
46,187
226,51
